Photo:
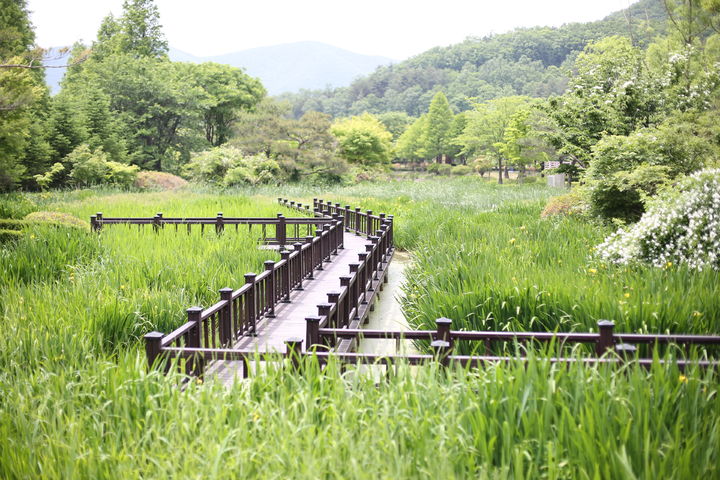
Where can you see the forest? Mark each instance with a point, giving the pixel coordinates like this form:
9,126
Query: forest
455,145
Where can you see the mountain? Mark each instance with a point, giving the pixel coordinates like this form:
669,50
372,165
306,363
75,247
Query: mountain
281,68
526,61
293,66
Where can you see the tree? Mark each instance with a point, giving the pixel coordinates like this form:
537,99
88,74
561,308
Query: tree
363,140
20,90
303,148
412,143
395,122
439,123
140,30
227,91
485,131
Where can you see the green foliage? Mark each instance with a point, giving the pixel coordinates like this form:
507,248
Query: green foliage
88,167
412,144
363,140
46,179
9,235
304,148
462,170
396,123
486,127
439,124
227,91
229,166
253,170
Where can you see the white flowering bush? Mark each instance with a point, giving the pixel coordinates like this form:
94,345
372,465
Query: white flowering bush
681,226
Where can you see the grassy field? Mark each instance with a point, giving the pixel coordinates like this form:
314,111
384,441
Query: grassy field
77,402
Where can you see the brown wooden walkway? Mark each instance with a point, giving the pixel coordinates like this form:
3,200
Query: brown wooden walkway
289,321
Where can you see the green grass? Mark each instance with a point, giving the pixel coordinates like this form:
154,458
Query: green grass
76,400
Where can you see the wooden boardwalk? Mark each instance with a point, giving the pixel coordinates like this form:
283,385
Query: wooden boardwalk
290,317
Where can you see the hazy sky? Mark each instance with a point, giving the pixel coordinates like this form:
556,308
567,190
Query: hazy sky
392,28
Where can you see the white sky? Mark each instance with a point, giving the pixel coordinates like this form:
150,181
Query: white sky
392,28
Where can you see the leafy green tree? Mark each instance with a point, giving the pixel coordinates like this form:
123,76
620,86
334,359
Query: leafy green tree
412,144
363,140
484,134
303,148
228,90
439,124
395,122
20,90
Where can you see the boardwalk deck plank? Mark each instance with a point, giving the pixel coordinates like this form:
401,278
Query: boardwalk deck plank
290,317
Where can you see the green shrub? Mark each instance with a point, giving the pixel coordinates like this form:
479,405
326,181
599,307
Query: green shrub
623,194
88,167
444,169
227,165
212,165
462,170
9,235
254,170
682,226
12,224
527,179
56,218
121,174
433,168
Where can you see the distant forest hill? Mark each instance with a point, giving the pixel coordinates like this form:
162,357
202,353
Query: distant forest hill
529,61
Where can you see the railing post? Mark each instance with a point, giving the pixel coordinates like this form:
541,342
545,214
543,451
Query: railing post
326,240
219,223
443,330
294,351
358,222
391,219
605,341
312,332
94,225
301,273
355,289
285,255
311,248
153,346
369,226
314,205
333,298
194,366
318,249
345,283
370,274
281,230
375,252
270,288
347,218
156,222
363,276
226,315
324,311
441,351
251,304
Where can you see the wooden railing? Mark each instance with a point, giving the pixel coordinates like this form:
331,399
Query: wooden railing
273,231
334,332
213,331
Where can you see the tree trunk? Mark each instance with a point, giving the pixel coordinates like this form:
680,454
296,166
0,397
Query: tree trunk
507,175
500,171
